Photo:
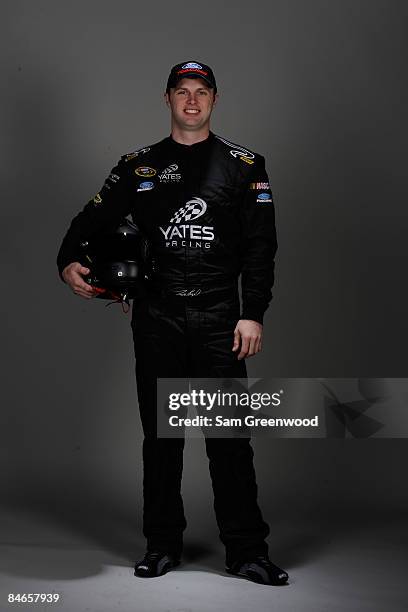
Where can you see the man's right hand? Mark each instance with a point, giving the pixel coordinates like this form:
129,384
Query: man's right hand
72,275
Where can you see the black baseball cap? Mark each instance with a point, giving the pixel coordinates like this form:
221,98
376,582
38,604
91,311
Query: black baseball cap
195,70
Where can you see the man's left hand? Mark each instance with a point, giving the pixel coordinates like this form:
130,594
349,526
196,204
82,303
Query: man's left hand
248,336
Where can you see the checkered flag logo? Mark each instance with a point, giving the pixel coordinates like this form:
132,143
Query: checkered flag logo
190,211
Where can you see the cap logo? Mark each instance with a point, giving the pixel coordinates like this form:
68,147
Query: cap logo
193,70
192,65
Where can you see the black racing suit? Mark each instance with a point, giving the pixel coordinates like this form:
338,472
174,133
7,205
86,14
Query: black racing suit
208,213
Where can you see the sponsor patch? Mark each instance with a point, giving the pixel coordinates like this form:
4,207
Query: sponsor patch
145,171
169,174
237,151
264,198
130,156
145,186
181,232
113,178
258,186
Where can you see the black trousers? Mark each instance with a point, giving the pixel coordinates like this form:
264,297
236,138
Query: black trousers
180,338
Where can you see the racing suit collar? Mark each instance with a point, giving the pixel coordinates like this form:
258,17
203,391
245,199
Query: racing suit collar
195,146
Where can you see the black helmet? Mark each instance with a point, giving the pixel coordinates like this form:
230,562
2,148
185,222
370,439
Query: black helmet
118,262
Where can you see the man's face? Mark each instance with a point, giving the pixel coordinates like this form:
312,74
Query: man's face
191,103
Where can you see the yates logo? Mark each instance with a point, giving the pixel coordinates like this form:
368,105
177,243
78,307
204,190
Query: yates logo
170,175
181,232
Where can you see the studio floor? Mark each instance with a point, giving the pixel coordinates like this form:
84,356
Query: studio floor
332,566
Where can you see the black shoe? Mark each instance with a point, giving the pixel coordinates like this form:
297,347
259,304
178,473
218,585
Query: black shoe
155,564
259,569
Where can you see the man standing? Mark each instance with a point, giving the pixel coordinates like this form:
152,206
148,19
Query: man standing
206,207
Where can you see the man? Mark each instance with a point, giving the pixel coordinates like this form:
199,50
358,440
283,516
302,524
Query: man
206,208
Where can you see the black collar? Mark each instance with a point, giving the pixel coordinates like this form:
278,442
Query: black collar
196,146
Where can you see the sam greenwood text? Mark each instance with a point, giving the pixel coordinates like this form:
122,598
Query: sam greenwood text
249,421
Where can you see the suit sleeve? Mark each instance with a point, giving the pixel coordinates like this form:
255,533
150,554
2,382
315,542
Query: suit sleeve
111,204
259,244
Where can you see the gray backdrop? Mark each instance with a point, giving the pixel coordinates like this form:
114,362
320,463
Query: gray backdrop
318,88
